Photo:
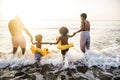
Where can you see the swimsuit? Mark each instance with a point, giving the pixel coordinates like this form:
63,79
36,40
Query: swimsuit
19,41
64,51
38,56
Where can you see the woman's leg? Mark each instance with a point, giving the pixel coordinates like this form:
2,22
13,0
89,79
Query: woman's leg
23,50
14,49
22,44
14,44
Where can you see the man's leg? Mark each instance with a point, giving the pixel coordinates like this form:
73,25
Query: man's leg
82,47
88,42
88,45
82,42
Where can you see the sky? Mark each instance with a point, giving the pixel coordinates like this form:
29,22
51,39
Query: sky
60,9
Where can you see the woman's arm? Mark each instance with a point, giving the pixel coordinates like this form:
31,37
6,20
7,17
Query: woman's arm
26,31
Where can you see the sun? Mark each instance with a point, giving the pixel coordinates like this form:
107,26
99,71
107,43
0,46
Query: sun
8,9
39,9
30,11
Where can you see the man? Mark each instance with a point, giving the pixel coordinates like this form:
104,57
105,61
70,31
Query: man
16,28
85,35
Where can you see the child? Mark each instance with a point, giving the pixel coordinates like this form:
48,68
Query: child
38,43
63,39
85,33
38,39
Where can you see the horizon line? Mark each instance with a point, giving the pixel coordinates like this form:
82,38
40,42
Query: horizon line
67,19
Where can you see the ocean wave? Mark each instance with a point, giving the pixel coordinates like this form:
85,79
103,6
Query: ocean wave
104,58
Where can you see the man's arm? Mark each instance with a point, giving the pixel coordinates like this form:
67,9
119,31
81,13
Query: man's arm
71,35
77,31
81,29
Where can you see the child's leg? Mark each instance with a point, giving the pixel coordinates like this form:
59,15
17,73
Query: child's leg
64,52
37,57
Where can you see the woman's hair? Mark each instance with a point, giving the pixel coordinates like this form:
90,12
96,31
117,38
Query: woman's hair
38,37
84,15
63,31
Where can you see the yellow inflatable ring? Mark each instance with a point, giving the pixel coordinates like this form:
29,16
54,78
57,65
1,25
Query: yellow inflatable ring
63,47
42,52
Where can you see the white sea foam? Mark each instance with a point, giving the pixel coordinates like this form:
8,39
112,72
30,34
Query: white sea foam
12,61
52,58
104,58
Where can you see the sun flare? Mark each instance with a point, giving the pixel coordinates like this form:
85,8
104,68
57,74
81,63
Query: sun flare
35,10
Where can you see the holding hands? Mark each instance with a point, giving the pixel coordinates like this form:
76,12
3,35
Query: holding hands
74,33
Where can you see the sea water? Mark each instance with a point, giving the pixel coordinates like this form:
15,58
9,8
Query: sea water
104,48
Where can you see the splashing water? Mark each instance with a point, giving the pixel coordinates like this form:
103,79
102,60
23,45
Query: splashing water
104,58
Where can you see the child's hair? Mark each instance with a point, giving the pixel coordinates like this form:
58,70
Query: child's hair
63,31
84,15
38,37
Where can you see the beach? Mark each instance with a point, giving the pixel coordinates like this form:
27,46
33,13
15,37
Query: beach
104,48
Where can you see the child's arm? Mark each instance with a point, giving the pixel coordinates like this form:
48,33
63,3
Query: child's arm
71,35
34,43
55,42
45,42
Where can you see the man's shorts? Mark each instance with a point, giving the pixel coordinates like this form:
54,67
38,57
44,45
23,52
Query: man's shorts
85,39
